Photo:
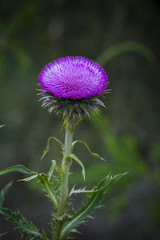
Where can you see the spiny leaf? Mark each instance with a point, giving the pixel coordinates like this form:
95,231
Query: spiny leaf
47,147
21,223
36,175
80,163
81,190
93,201
94,190
3,193
93,154
16,168
51,169
48,189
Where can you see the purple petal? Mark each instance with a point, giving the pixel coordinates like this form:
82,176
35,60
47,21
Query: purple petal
73,77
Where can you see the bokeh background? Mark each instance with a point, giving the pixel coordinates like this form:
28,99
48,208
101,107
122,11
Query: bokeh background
124,37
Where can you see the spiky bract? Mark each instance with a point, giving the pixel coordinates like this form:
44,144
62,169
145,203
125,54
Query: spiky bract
75,108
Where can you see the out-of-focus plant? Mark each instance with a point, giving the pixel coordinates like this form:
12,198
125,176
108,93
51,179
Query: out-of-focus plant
128,46
124,154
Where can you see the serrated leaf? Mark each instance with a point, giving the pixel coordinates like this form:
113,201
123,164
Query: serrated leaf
21,223
80,163
51,170
37,175
47,147
3,193
48,189
81,190
86,145
16,168
94,190
93,201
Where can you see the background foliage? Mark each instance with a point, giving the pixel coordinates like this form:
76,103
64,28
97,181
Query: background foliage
126,134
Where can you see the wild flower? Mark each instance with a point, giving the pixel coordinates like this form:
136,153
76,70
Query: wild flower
71,85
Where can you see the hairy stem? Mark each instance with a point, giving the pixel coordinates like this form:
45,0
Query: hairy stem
66,163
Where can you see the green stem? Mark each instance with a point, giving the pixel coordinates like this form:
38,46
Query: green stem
66,163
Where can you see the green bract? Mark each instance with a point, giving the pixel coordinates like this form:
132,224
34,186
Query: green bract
73,108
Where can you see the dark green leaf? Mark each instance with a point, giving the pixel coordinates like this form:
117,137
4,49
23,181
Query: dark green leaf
21,223
93,201
48,188
16,168
4,192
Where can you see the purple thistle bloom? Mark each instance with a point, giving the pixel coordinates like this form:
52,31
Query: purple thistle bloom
73,78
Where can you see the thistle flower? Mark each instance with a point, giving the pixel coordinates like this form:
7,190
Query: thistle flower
70,86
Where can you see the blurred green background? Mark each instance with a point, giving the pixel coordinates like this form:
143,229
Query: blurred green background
124,37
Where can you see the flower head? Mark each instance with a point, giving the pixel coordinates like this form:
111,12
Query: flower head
70,85
73,77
